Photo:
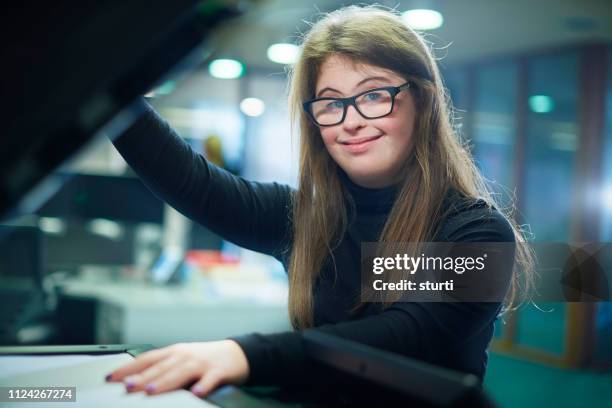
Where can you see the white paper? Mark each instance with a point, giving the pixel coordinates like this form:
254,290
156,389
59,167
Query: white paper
22,364
86,373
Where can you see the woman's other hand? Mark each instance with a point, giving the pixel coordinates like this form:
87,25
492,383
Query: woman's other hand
208,364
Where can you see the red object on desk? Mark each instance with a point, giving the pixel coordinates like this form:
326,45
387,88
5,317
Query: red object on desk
208,258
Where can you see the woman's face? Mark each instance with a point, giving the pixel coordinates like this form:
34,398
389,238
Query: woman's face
370,151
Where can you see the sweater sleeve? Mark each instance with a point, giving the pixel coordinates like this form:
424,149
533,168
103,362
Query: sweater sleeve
454,335
250,214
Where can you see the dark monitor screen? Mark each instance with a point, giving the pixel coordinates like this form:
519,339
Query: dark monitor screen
21,258
84,196
22,297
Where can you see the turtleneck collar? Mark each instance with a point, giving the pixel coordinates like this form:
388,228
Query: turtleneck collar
370,200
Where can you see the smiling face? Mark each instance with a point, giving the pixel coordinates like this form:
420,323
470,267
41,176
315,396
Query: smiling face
370,151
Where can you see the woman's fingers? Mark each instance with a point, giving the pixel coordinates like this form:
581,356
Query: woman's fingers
138,382
174,378
208,383
210,364
141,362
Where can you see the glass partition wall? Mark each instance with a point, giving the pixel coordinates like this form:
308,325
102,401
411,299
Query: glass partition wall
539,126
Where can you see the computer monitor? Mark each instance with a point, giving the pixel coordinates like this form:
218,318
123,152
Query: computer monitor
21,274
89,196
21,258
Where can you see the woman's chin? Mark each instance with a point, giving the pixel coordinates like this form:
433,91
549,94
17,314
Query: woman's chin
369,178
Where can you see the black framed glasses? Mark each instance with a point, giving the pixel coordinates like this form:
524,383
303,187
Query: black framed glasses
371,104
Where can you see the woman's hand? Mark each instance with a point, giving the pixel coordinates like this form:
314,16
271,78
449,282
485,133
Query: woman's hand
209,364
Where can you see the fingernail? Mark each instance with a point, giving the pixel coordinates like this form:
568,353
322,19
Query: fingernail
198,389
108,377
150,388
130,382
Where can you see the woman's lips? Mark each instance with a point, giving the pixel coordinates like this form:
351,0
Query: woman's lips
359,145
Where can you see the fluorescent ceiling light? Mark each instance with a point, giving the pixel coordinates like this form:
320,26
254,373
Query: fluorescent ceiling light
541,103
283,53
226,68
423,19
252,106
52,225
106,228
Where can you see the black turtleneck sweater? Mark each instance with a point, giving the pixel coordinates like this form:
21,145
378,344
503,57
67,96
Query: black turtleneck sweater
256,216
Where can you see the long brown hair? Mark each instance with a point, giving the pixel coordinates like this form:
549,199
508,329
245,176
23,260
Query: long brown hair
438,161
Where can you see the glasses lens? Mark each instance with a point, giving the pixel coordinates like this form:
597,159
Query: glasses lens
375,104
327,111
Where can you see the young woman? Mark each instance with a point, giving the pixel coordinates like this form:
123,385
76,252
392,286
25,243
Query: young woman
379,161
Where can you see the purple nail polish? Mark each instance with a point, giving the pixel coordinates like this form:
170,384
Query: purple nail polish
108,377
198,389
150,387
130,385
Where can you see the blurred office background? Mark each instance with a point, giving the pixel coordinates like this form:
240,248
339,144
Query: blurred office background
531,83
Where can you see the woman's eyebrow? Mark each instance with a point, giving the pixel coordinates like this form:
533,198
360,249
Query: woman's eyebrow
363,81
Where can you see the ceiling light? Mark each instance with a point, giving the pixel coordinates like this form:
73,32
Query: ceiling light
541,103
52,225
423,19
106,228
252,106
226,68
283,53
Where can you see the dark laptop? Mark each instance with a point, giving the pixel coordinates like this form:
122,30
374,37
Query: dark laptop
368,376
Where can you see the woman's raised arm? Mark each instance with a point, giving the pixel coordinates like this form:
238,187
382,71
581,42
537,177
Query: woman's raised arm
250,214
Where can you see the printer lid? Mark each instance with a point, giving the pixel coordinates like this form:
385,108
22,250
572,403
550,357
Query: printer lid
72,68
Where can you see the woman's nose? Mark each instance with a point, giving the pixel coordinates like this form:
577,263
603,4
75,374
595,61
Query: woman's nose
353,119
